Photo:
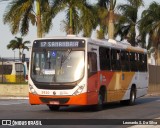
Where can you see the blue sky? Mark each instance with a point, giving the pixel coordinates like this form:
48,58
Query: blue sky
6,36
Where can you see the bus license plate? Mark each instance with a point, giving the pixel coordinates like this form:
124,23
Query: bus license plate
54,102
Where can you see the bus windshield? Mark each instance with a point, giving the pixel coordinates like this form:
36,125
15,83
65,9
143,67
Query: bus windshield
57,66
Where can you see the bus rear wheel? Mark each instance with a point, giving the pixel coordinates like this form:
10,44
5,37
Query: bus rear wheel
132,98
53,107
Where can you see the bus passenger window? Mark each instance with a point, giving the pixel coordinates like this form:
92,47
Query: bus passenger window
143,63
115,59
5,69
92,62
125,61
104,56
133,61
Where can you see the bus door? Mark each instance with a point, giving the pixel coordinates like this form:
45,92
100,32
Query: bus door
92,77
19,72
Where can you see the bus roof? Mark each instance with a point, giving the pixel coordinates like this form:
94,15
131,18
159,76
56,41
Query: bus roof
106,43
117,45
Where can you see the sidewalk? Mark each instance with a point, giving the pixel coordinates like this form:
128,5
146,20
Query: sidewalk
13,91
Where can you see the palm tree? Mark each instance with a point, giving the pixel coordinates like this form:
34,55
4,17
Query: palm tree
106,18
102,12
78,15
126,26
20,13
18,43
111,19
149,26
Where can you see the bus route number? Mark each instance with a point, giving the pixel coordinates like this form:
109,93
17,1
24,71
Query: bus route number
45,92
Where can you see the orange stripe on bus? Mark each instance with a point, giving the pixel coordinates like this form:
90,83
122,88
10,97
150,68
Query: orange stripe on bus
82,99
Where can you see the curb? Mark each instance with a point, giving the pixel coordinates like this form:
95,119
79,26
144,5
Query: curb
153,94
14,97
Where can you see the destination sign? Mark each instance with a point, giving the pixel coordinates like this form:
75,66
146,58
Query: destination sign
59,43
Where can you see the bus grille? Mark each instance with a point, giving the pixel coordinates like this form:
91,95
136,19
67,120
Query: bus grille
60,100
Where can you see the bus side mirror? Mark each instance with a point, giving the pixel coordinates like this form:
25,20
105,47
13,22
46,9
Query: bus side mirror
23,58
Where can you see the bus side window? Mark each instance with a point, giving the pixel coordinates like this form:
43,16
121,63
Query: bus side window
6,69
115,59
133,61
104,56
123,60
92,62
143,63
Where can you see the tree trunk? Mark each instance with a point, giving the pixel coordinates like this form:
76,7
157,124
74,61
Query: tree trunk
111,25
158,55
20,54
100,33
39,25
70,31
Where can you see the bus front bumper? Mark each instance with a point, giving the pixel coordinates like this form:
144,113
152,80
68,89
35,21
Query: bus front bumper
81,99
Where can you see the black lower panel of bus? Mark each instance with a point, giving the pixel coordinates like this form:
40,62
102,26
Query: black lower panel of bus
60,100
55,87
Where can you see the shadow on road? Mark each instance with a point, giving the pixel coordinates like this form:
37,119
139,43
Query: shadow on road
108,106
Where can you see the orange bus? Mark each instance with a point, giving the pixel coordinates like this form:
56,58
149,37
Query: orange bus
82,71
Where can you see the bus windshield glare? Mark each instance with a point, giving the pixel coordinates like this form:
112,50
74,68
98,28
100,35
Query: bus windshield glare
57,66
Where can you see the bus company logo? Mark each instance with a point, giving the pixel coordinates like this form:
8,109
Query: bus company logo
7,122
54,93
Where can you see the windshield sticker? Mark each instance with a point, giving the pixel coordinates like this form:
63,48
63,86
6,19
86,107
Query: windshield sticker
37,68
48,71
54,53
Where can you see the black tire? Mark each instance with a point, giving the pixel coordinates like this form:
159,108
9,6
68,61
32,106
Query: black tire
132,98
54,107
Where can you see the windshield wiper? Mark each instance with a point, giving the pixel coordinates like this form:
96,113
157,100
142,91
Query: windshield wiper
63,58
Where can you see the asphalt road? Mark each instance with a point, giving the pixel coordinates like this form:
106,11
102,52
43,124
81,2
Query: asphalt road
146,108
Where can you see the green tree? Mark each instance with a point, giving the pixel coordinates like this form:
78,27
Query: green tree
106,18
126,27
20,13
102,12
149,27
79,15
18,43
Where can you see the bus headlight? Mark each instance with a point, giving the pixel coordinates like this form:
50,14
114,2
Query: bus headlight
32,90
79,90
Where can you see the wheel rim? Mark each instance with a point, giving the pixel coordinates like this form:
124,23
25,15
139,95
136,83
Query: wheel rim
133,97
